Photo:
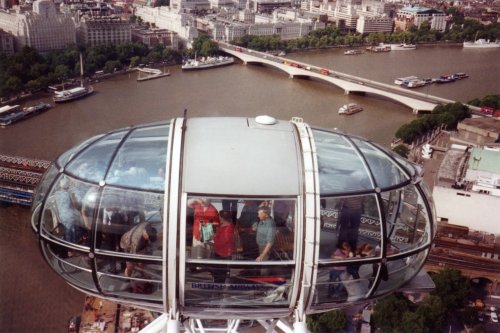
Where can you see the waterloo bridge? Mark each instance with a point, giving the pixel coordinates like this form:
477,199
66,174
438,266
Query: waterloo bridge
416,101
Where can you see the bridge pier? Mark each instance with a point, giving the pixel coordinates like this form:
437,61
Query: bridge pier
346,92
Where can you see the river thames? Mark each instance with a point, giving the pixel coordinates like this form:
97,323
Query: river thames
34,298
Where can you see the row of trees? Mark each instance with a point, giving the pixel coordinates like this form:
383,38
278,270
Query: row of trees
396,313
448,115
27,70
332,36
492,101
446,302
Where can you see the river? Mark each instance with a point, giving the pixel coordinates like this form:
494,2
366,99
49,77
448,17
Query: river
36,299
249,90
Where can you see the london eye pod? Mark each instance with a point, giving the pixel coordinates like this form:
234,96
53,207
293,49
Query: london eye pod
239,218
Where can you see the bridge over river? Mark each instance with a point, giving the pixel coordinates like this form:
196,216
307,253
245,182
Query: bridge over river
19,177
416,101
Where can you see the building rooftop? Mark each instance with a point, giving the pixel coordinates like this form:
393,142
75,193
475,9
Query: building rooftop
487,124
420,10
452,161
485,160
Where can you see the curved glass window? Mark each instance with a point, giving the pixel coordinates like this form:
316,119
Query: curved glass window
67,213
239,252
408,225
398,271
140,161
68,155
43,186
73,268
92,163
385,171
340,167
353,220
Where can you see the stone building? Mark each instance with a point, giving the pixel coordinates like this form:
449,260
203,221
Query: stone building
105,30
152,37
415,16
44,28
478,131
6,42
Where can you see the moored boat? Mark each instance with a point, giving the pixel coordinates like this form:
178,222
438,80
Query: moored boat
208,62
14,114
72,94
402,80
403,47
379,48
481,44
415,83
353,52
460,76
67,95
350,108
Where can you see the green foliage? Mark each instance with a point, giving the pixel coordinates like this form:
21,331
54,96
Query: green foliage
492,101
388,312
204,46
452,288
413,322
469,315
332,321
434,313
27,70
401,150
448,115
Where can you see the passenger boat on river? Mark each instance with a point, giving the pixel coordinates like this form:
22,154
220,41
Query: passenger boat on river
350,108
209,62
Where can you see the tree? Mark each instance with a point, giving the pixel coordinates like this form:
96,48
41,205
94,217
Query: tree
388,312
413,322
61,72
332,321
433,312
451,287
401,150
469,315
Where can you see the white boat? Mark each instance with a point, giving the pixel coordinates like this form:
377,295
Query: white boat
481,44
403,47
415,83
67,95
208,62
350,108
353,52
401,80
379,48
